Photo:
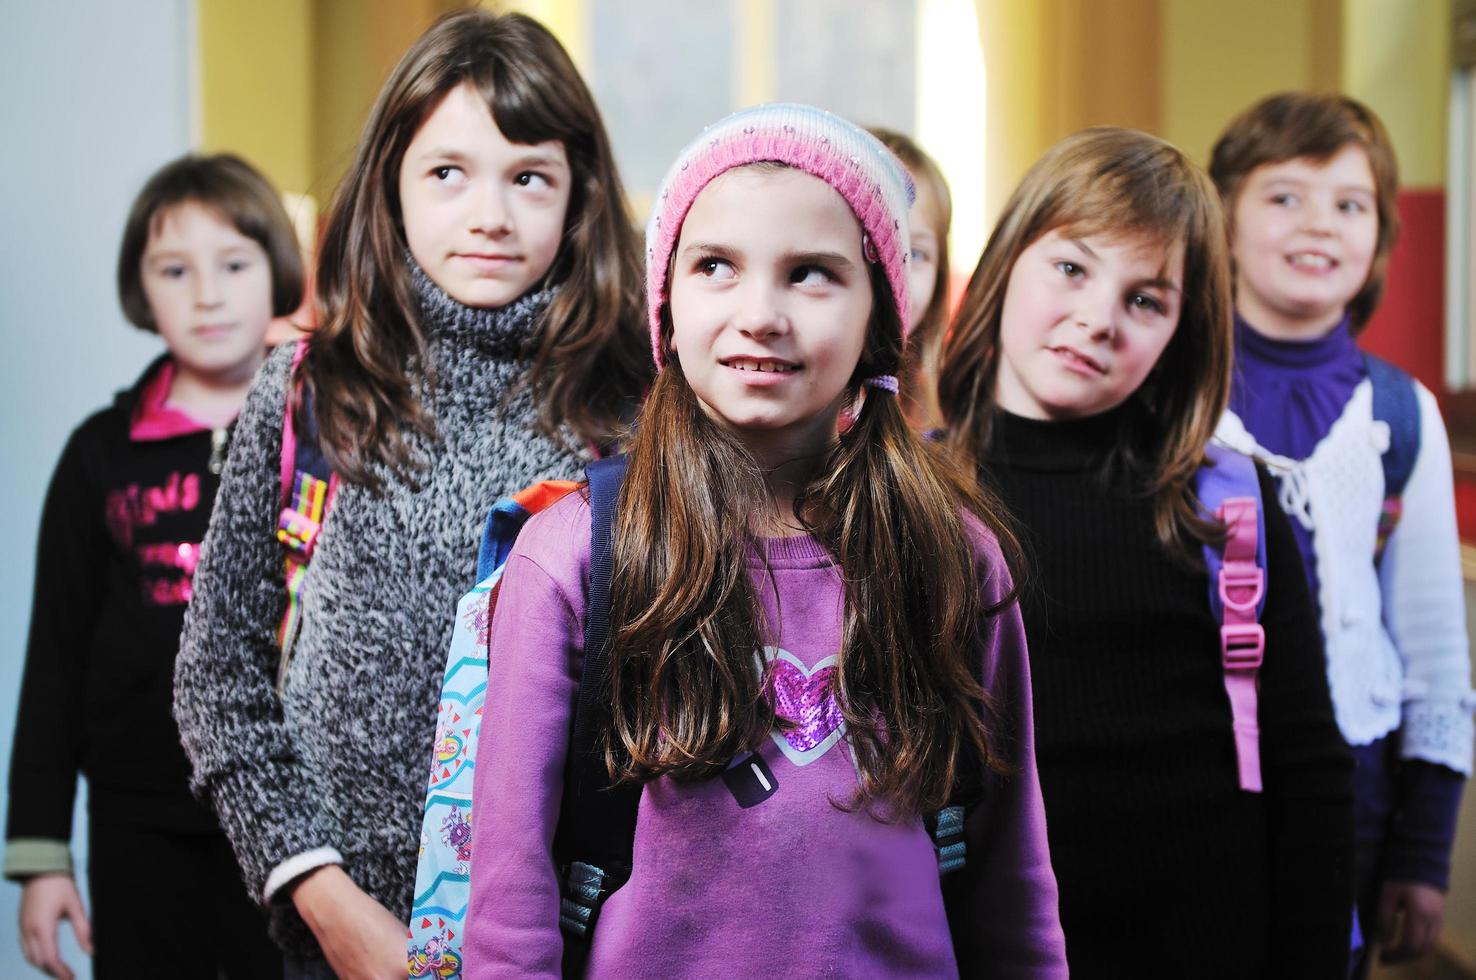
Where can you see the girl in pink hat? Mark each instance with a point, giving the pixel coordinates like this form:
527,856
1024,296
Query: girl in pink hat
817,689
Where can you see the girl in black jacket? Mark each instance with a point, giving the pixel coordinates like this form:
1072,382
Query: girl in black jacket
208,259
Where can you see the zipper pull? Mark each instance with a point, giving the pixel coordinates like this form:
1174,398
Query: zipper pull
220,440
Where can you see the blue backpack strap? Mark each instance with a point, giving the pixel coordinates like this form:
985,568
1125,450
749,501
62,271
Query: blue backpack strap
596,831
504,520
1229,490
1396,405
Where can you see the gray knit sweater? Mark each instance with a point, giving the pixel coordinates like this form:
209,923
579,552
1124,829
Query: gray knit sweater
341,759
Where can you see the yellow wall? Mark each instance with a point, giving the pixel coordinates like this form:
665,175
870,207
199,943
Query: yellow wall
1056,66
567,20
1396,56
1218,58
358,43
256,82
288,83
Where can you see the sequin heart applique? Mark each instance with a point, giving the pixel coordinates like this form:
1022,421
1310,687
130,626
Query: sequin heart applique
804,696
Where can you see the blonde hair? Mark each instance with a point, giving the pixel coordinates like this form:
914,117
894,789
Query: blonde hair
1117,183
920,360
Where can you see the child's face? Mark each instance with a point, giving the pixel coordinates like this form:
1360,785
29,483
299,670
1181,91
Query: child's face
1305,236
1084,322
770,302
483,216
922,268
209,288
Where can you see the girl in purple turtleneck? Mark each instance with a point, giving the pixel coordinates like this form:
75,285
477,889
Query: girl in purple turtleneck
1309,183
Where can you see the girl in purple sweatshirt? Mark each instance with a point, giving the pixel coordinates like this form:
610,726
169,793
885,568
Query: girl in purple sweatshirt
814,644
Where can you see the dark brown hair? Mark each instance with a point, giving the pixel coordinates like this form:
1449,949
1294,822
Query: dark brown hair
237,192
1120,184
687,691
1306,124
920,364
369,355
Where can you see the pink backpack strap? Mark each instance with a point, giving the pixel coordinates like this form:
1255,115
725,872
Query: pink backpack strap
1241,586
289,427
1230,490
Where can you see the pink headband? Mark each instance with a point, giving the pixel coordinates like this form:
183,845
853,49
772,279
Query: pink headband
872,181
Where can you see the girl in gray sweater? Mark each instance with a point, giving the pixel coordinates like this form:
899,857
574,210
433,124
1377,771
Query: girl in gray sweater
480,330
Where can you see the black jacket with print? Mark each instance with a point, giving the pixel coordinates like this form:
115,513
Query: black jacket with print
120,535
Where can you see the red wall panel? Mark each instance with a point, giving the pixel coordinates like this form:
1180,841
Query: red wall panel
1409,326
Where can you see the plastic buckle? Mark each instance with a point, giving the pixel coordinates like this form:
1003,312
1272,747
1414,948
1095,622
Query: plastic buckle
1237,577
298,532
948,839
584,893
1242,645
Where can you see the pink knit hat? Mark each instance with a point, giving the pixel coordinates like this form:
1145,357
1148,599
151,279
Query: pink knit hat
872,181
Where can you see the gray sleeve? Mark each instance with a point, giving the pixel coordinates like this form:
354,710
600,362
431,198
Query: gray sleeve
225,698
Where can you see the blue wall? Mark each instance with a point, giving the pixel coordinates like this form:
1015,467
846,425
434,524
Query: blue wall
96,96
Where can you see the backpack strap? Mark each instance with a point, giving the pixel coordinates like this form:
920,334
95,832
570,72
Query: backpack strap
507,517
596,831
1229,489
1396,405
946,827
308,488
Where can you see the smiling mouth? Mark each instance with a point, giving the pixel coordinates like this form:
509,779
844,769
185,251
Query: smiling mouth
759,365
1311,260
1076,357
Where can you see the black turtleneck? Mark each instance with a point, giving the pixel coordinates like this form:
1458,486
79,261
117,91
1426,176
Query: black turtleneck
1164,863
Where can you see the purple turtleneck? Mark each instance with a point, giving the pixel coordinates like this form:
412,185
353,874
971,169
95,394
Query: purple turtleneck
1289,393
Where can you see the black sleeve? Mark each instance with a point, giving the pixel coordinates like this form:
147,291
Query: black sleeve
1428,809
71,558
1308,770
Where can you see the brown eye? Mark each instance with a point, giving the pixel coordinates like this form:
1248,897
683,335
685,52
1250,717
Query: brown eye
1143,301
714,268
811,275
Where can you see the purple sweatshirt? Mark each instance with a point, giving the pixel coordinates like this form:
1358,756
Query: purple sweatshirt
790,887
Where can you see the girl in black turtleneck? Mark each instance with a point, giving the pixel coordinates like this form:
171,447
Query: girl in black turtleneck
1085,374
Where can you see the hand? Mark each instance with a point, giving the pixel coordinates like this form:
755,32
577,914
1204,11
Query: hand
361,938
45,901
1418,910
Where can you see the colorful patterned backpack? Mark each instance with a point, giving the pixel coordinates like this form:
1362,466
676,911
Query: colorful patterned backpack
308,488
442,873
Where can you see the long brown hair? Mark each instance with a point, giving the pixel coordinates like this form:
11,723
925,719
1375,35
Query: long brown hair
686,687
1121,184
1308,124
369,356
920,364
